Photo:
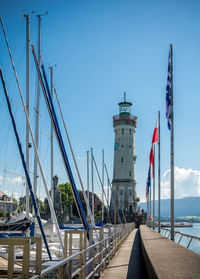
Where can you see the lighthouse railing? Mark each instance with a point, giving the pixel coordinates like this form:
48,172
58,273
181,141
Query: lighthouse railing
124,117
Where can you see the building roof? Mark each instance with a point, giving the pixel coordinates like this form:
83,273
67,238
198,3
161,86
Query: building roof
2,194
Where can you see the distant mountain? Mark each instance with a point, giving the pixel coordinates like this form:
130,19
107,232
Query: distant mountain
189,206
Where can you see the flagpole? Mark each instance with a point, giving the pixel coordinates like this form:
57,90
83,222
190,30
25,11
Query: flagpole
147,198
153,186
147,210
150,205
147,207
172,149
159,171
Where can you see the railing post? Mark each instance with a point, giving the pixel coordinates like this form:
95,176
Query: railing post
189,242
38,260
84,254
91,253
26,259
101,250
70,253
180,239
109,243
115,242
60,272
65,244
10,261
81,256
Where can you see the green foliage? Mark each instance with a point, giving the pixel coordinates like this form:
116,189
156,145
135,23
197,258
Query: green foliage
15,205
22,203
1,213
43,206
66,196
98,216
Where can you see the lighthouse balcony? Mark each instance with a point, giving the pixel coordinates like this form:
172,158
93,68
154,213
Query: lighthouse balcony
117,180
125,118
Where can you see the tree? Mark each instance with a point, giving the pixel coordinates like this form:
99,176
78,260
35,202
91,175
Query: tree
22,203
66,196
15,204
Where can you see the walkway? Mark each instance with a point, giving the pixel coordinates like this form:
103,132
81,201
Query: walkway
128,261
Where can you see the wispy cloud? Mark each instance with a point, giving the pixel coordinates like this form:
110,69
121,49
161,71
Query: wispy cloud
15,180
186,183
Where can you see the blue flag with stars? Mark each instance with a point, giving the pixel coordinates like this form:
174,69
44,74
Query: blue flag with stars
148,181
169,92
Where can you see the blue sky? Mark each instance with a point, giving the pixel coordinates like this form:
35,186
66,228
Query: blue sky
101,49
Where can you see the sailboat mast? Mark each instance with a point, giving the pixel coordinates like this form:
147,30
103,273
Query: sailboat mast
37,109
92,181
102,184
88,181
27,104
52,184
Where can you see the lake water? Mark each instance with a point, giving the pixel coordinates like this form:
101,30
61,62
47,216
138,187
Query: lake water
195,230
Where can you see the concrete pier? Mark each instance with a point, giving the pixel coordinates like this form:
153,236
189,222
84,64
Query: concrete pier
166,259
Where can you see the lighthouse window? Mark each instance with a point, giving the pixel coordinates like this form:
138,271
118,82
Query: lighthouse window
130,193
121,192
122,131
129,131
122,145
122,160
129,173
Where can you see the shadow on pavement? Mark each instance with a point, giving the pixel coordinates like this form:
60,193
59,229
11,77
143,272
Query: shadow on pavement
136,267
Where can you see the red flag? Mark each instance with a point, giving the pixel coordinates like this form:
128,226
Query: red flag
151,155
151,159
155,133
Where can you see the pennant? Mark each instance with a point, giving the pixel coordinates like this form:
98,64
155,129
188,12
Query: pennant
169,92
151,159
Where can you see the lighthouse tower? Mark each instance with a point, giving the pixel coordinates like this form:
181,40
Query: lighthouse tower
124,182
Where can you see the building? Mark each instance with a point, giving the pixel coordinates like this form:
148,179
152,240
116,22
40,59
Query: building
124,181
6,203
97,201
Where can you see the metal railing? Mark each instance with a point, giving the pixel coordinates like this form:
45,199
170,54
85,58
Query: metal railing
90,259
124,117
164,231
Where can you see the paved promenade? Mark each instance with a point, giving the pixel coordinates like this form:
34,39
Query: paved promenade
128,261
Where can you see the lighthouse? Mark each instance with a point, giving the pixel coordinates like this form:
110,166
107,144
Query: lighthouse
124,180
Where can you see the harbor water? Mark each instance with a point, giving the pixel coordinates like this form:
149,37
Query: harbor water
195,230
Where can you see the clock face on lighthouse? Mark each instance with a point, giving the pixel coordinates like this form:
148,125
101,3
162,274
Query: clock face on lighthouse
124,109
116,146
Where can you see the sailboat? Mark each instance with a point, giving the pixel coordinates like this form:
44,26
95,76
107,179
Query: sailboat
61,145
